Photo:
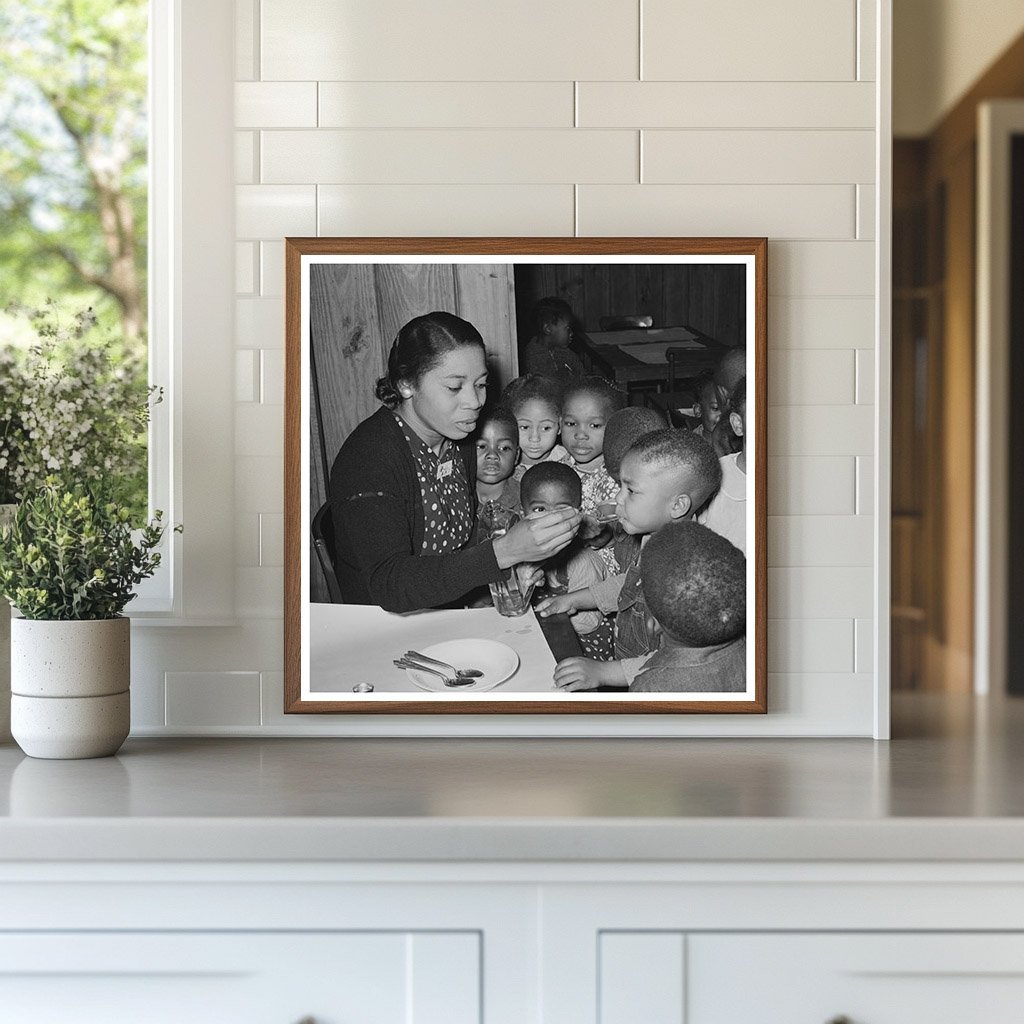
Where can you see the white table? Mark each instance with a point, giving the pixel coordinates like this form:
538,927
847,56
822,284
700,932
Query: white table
352,643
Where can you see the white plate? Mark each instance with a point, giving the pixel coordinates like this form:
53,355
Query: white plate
496,660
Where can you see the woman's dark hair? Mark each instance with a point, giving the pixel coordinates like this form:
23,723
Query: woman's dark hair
532,387
418,348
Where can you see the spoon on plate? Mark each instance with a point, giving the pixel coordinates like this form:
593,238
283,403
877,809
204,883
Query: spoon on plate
473,673
458,680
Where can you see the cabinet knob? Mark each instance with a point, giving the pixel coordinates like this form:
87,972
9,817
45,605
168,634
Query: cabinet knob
306,1020
841,1019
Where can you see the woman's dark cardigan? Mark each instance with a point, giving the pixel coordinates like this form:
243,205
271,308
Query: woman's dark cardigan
378,526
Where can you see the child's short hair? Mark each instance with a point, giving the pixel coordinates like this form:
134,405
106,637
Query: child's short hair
738,398
731,367
687,451
531,387
605,391
695,584
500,416
623,429
551,473
550,311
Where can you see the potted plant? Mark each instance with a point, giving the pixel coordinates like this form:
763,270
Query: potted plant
68,406
69,563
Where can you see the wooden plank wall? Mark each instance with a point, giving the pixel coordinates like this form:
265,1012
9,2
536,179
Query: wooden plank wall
355,312
707,296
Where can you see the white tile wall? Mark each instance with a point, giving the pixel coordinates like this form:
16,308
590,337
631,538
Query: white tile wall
726,105
748,41
459,117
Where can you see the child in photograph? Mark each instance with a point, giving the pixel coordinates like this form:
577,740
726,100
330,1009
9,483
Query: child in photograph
665,477
708,408
553,485
535,403
497,452
695,585
731,367
624,429
547,352
586,409
726,513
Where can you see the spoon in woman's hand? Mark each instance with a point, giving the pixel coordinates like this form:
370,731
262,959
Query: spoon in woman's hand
473,673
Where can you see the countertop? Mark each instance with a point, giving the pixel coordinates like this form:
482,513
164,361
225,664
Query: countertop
946,788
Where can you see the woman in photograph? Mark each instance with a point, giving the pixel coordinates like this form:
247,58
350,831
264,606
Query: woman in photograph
402,488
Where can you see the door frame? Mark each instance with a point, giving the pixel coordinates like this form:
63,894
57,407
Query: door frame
998,122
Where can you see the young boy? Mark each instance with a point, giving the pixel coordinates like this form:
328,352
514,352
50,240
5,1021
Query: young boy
548,353
695,584
665,477
624,429
497,452
727,512
546,487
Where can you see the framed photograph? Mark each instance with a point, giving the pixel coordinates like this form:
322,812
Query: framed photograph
525,475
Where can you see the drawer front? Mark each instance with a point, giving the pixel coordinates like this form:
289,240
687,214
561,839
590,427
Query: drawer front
242,978
863,978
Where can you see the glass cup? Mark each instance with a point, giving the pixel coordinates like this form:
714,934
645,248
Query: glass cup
509,595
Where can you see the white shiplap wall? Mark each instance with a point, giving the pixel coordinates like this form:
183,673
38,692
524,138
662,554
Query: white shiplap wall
593,117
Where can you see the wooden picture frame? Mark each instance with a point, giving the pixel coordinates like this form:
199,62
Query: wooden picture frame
345,300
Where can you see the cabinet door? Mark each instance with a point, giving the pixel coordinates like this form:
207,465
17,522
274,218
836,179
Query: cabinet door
862,978
242,978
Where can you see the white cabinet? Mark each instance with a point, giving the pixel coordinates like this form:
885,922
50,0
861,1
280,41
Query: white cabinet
241,978
511,943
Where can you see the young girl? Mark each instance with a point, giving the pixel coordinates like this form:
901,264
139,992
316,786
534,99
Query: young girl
586,409
536,404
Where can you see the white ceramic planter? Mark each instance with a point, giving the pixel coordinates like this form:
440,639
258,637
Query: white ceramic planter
69,683
6,516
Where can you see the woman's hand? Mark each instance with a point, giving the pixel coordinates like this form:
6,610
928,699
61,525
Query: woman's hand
535,540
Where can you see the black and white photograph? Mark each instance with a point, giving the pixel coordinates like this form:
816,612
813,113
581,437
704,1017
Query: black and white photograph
525,475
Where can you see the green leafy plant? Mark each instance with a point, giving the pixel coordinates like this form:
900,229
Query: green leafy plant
73,408
72,554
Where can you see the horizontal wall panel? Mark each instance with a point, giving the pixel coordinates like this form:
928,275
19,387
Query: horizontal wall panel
448,40
812,376
446,210
247,362
865,485
245,268
273,211
809,540
821,323
446,105
736,40
449,157
864,645
821,430
811,645
271,269
756,157
271,538
867,26
204,699
259,484
865,376
726,105
259,593
259,429
811,486
245,158
259,323
824,592
275,104
866,211
832,703
821,268
783,211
